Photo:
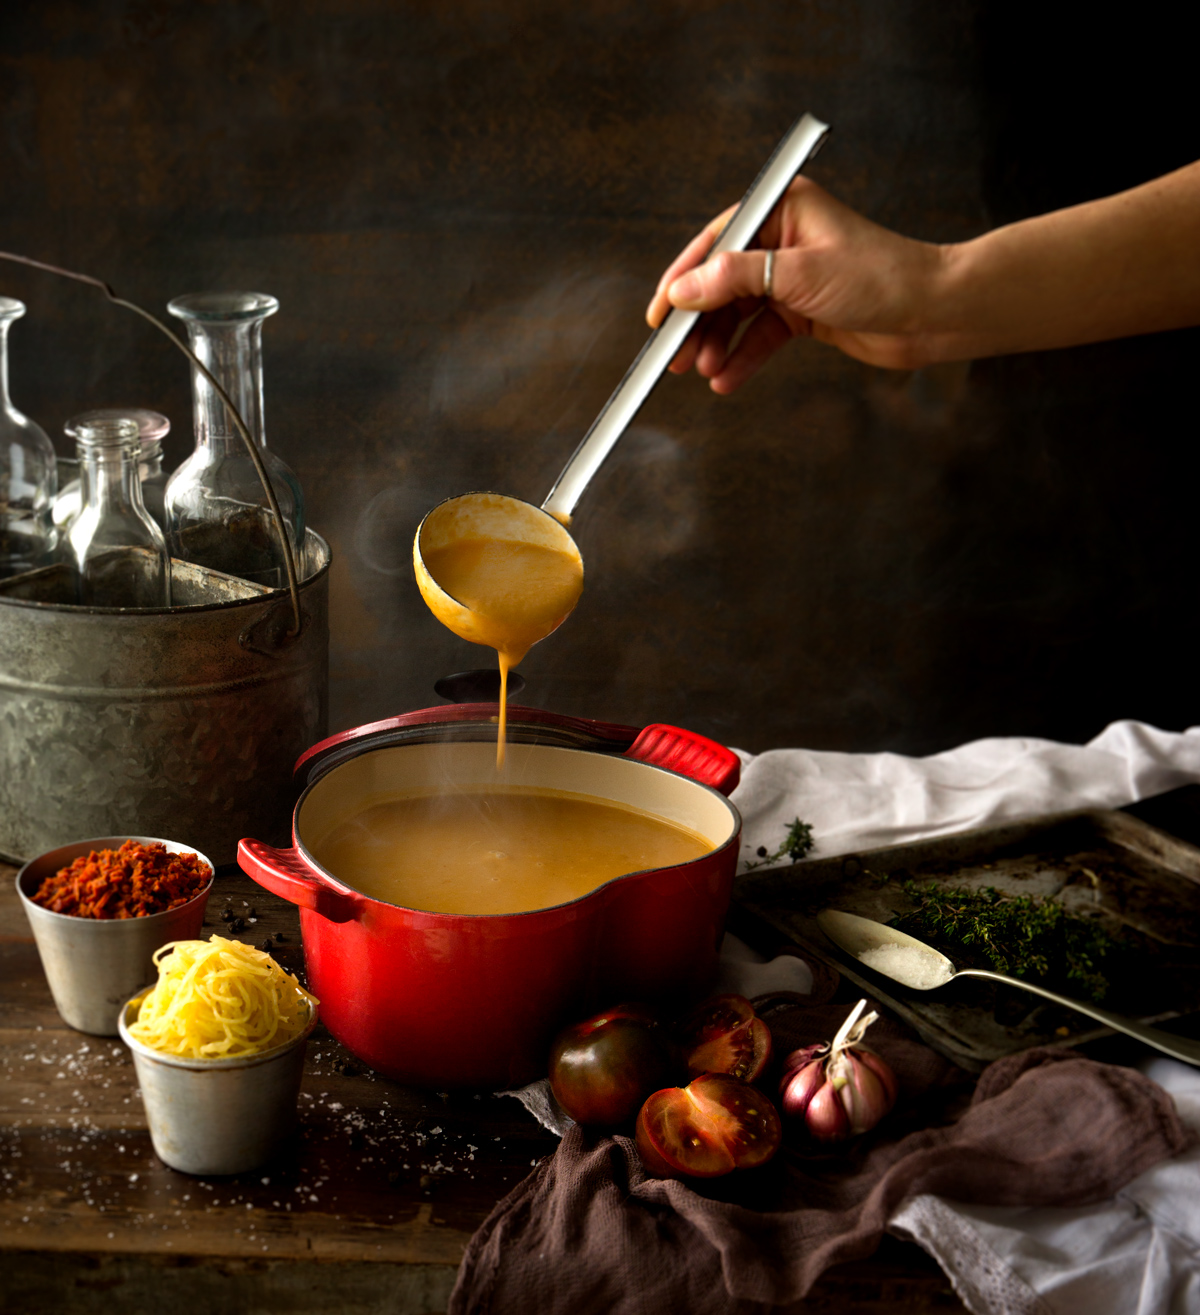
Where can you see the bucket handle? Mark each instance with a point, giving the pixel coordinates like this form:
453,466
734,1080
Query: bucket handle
285,543
691,755
285,873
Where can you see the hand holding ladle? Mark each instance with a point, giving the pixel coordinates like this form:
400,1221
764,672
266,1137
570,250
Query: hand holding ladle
473,517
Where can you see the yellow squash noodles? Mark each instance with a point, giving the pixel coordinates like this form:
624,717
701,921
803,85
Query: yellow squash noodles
220,999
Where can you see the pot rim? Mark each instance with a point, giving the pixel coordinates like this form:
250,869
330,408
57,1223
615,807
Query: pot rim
185,609
457,722
323,875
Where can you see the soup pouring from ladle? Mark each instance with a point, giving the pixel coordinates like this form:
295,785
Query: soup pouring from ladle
502,572
920,967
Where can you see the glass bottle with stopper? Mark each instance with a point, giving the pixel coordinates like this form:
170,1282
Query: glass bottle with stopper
28,474
217,513
119,553
152,429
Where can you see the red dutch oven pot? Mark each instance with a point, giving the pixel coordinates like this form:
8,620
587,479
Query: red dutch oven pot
447,1000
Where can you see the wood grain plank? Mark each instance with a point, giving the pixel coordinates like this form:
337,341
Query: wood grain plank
375,1171
366,1208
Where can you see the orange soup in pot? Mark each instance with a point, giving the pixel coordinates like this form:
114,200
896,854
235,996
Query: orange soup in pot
497,850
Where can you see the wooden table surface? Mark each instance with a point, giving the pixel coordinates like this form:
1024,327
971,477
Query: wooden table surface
367,1208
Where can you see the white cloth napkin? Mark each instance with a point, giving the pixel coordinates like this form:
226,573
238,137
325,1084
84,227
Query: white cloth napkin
866,800
1138,1254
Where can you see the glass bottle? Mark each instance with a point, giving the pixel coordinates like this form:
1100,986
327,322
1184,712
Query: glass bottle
28,474
216,511
119,553
152,429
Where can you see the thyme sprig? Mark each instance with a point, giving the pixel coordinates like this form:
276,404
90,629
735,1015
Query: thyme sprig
797,844
1013,934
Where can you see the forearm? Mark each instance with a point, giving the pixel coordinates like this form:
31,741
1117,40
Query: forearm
1124,265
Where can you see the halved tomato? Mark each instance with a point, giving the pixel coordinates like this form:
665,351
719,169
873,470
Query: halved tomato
601,1070
710,1127
725,1036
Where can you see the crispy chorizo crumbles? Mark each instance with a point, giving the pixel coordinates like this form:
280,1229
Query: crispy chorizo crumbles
130,882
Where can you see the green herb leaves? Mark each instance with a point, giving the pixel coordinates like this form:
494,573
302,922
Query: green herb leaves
797,844
1012,934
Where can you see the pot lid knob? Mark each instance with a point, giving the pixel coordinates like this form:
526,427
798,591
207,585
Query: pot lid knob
479,686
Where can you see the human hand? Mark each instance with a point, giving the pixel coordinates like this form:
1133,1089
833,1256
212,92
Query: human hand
838,278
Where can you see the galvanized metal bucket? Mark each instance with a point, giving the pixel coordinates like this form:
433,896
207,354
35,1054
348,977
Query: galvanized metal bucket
217,1116
182,721
93,965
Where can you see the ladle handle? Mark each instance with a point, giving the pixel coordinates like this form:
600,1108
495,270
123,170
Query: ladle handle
797,147
1178,1047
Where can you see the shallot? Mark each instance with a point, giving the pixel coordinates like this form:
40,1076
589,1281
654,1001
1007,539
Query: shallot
839,1088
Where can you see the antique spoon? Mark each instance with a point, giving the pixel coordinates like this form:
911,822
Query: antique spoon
920,967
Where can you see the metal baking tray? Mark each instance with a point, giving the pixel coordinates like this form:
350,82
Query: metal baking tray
1140,884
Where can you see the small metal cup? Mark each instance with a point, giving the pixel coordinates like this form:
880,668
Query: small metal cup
217,1116
93,965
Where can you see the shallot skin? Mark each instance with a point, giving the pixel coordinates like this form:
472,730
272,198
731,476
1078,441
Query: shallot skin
840,1089
801,1082
883,1071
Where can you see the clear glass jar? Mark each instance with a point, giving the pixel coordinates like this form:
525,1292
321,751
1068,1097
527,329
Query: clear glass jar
152,429
28,474
216,511
119,553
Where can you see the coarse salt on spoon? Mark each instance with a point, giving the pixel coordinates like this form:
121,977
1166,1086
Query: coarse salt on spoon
499,571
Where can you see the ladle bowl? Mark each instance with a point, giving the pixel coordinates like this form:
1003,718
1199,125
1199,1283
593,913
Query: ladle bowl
481,516
920,967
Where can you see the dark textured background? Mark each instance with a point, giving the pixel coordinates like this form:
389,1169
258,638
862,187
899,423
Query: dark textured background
463,208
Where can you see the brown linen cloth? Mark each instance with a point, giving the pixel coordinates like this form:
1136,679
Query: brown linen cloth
587,1231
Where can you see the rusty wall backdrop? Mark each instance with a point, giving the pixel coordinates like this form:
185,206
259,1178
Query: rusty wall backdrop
463,207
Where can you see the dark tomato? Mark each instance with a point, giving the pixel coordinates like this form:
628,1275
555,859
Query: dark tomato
710,1127
725,1036
601,1070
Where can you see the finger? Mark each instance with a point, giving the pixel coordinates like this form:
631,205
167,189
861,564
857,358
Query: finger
762,339
719,281
685,357
719,331
690,256
723,328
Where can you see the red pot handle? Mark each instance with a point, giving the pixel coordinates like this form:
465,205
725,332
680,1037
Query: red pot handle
283,872
689,754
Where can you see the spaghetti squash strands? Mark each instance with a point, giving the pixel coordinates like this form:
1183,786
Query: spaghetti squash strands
220,999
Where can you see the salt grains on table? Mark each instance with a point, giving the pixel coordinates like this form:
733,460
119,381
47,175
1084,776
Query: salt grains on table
920,969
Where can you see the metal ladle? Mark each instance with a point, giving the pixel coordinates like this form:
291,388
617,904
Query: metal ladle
501,516
925,969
